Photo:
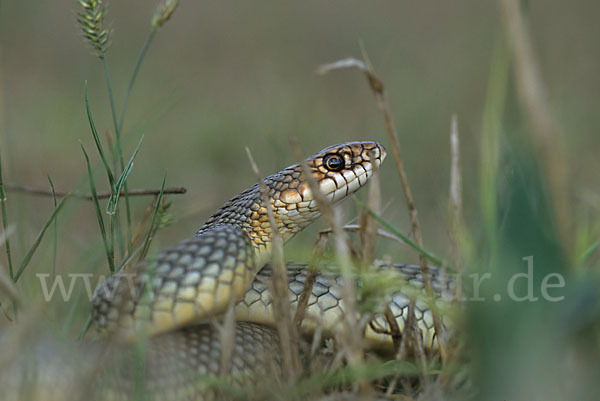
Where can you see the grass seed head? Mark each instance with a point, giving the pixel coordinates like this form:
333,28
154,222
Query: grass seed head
163,13
91,21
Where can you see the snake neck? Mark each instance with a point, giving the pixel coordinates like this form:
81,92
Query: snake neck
248,212
339,171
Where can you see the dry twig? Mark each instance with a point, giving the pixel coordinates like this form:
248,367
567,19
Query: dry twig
227,330
319,249
281,305
356,228
101,195
350,337
368,225
378,89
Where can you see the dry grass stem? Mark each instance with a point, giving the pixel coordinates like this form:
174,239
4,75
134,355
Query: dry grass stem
141,227
281,305
368,225
350,338
455,173
356,228
7,287
227,330
101,195
378,89
395,332
457,231
546,134
313,266
413,335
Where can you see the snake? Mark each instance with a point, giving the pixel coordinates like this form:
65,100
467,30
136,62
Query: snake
171,303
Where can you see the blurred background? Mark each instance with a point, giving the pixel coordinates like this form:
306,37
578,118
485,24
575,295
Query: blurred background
222,75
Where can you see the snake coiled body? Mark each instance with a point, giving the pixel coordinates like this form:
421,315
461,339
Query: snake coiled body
197,278
172,299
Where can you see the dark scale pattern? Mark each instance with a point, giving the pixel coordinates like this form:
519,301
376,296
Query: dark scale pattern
325,302
189,280
292,203
179,364
198,277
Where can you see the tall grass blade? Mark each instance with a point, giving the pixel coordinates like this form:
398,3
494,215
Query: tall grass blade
136,69
114,199
5,223
109,173
588,252
38,239
152,228
109,251
55,242
490,142
86,327
430,256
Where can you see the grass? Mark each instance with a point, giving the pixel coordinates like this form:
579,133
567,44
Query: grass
506,350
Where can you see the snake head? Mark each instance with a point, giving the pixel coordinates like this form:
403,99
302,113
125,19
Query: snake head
340,170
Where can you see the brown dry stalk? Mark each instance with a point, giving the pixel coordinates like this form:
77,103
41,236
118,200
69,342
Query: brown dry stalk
378,90
319,249
356,228
394,328
368,225
281,305
350,338
101,195
140,229
457,226
545,131
227,330
455,174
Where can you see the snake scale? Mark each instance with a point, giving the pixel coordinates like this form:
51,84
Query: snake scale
171,301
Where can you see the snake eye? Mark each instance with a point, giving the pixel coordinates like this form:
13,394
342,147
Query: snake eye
333,162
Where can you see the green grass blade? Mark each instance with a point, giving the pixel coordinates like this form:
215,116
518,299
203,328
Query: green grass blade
109,173
5,222
132,79
152,228
113,108
55,242
38,239
114,199
430,256
107,247
119,156
86,327
134,74
490,143
127,216
128,259
588,252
